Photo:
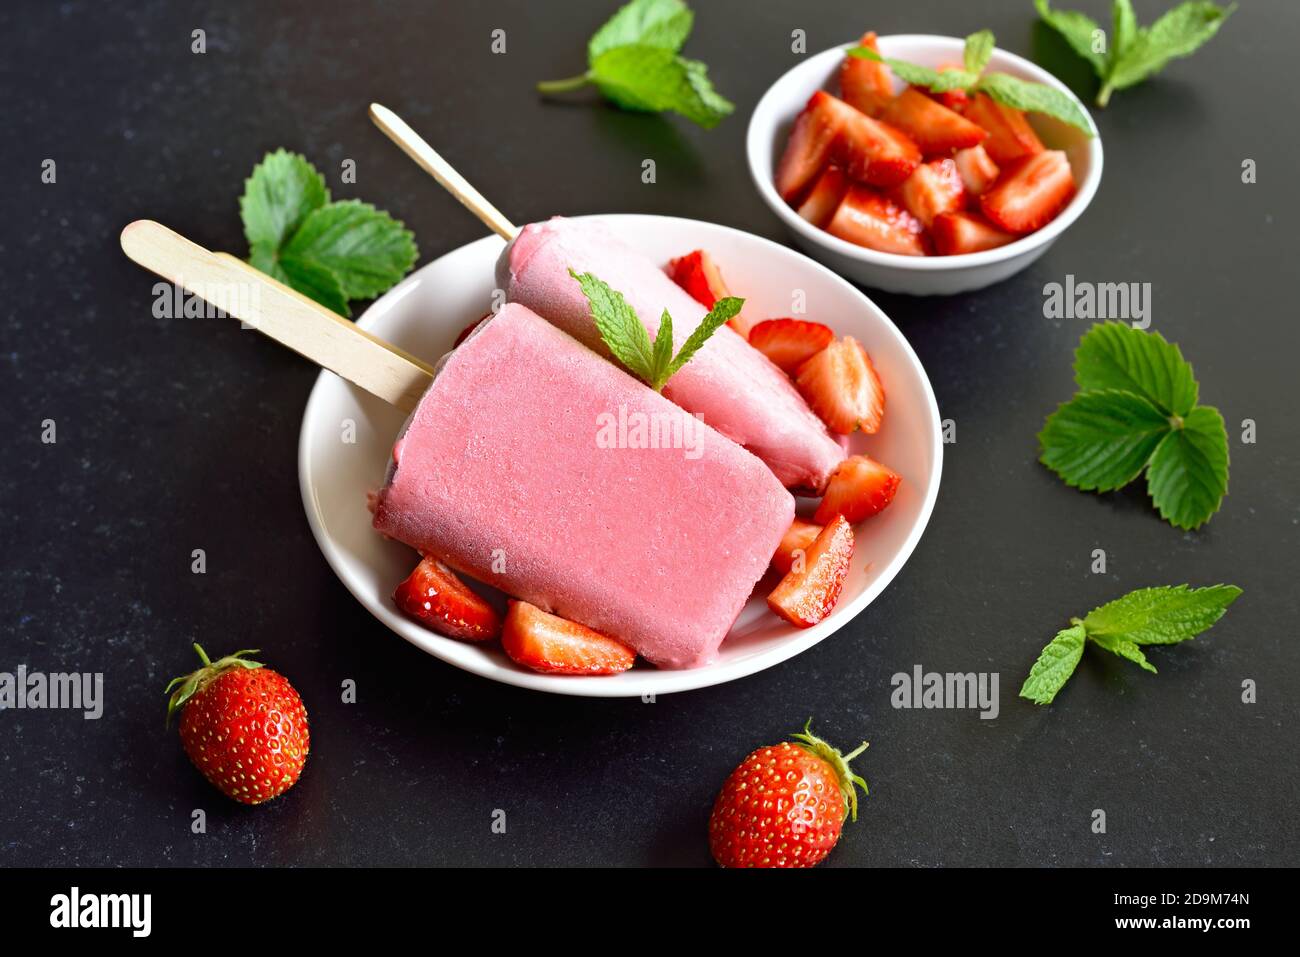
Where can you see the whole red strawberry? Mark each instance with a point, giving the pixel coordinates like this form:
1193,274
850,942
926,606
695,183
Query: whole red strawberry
243,725
785,805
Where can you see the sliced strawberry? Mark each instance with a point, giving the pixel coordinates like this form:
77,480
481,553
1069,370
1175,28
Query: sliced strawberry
1010,135
931,125
436,597
935,187
866,85
872,151
790,342
957,233
797,540
840,384
1030,193
859,488
825,197
977,170
699,275
805,597
815,131
869,219
548,643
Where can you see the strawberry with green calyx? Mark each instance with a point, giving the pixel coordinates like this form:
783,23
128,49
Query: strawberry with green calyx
243,726
785,805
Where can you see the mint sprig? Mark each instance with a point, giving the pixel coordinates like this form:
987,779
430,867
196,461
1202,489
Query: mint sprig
1135,52
1137,412
633,61
329,251
1148,616
1002,87
626,336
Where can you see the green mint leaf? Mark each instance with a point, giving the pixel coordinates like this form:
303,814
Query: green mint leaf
979,47
1188,474
1100,441
722,310
1179,33
1035,97
619,326
1054,666
282,190
652,79
311,279
655,23
1078,30
1114,355
912,73
1123,648
662,357
1160,616
366,249
1124,30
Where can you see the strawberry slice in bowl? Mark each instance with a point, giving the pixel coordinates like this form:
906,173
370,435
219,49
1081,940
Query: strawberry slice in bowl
435,596
1030,192
699,275
868,218
861,487
841,385
553,645
807,595
790,342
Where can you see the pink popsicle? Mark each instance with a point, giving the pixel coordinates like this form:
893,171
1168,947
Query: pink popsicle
733,386
523,467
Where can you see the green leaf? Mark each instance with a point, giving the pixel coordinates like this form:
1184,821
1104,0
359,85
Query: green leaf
912,73
1188,474
619,326
1114,355
722,310
1161,616
311,279
662,357
1054,666
1123,648
1078,30
1034,97
366,249
1100,441
282,190
655,23
1178,33
652,79
979,47
1124,30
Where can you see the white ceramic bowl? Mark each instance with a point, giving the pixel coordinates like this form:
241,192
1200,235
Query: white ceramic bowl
769,128
428,309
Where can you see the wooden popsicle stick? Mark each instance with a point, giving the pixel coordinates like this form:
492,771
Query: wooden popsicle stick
284,314
414,146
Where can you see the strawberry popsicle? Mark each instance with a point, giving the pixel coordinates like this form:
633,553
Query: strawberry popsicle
536,466
733,386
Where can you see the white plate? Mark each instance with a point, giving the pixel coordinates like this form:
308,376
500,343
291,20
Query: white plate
769,128
429,308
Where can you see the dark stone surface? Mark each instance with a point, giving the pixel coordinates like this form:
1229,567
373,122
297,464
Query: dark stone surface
174,435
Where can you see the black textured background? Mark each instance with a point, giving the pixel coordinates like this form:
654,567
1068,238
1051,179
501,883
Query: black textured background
179,435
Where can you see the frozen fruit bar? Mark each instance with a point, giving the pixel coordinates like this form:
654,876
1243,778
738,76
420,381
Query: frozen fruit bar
535,465
733,386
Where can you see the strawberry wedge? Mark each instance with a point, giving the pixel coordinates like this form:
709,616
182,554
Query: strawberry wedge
700,276
548,643
1010,135
435,596
936,129
860,488
958,232
826,195
866,85
841,386
933,188
976,168
869,219
1030,193
806,596
790,342
795,544
829,129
